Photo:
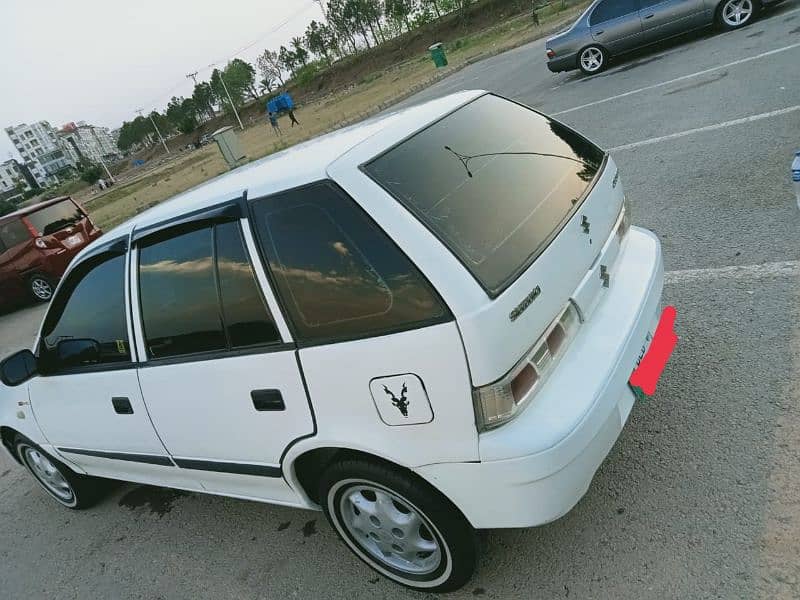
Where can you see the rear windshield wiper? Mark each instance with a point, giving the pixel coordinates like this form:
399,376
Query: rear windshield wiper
465,158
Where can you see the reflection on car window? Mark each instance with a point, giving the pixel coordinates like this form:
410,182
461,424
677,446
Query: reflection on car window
91,305
247,319
14,233
180,305
339,275
612,9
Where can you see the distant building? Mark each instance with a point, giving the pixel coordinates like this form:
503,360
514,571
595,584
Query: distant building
14,180
81,140
41,152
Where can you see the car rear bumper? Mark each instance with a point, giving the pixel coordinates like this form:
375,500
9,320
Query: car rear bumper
537,467
562,63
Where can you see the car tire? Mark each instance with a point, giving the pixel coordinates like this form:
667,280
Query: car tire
734,14
41,287
592,59
59,481
399,525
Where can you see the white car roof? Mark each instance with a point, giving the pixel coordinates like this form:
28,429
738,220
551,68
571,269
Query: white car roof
304,163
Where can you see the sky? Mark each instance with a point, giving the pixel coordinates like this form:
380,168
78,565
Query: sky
98,61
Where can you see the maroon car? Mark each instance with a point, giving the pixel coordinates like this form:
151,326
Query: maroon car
36,245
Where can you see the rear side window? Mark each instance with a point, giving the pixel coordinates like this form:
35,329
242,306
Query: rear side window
91,305
55,217
198,294
612,9
338,274
13,233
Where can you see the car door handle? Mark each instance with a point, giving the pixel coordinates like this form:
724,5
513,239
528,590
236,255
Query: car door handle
650,16
601,32
267,400
122,406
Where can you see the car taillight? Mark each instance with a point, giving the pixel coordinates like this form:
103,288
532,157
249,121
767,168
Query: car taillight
499,402
44,244
550,53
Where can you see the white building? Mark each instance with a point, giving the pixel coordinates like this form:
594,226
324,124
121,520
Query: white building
12,180
41,151
88,141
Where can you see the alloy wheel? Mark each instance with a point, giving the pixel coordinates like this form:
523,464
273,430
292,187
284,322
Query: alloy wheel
737,12
48,475
592,59
41,288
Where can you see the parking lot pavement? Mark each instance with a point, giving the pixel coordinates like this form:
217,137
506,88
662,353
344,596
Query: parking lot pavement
698,499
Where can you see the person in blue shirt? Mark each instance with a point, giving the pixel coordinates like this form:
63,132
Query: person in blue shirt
273,120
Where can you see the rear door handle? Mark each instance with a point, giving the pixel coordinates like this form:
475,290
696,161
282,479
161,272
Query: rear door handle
264,400
601,32
650,16
122,406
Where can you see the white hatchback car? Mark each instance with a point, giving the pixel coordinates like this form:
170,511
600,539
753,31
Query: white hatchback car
423,325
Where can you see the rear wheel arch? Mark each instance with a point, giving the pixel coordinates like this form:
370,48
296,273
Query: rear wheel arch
309,467
8,436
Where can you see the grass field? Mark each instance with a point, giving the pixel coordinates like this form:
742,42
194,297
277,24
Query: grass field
138,192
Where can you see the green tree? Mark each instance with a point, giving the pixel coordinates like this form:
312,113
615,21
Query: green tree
300,53
400,11
341,25
319,39
287,60
204,98
91,174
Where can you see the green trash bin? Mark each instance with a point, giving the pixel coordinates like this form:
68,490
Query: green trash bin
438,55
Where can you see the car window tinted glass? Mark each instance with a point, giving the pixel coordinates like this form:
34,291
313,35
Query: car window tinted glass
180,305
247,319
339,275
647,3
90,305
495,181
14,233
612,9
56,217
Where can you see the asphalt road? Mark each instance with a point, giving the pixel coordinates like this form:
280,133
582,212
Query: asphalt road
700,496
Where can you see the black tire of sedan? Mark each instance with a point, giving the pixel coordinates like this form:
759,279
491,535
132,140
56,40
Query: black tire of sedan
592,59
41,288
399,525
733,14
62,484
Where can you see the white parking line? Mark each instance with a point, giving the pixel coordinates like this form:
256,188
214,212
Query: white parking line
682,78
723,125
787,268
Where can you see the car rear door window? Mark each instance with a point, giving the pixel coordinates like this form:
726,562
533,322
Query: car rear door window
198,294
612,9
178,294
90,304
339,275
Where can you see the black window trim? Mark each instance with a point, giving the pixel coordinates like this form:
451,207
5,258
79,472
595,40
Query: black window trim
112,248
493,294
176,227
229,210
301,343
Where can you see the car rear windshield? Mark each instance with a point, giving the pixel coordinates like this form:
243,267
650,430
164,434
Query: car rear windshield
55,217
495,181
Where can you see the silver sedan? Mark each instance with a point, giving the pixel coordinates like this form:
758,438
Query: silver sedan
611,27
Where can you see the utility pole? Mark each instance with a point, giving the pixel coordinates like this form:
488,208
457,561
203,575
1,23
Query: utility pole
193,77
140,111
233,106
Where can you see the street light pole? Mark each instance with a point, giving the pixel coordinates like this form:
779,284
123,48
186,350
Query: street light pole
140,111
233,106
193,77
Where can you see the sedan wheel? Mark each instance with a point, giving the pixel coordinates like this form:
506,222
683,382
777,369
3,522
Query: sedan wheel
592,60
736,13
